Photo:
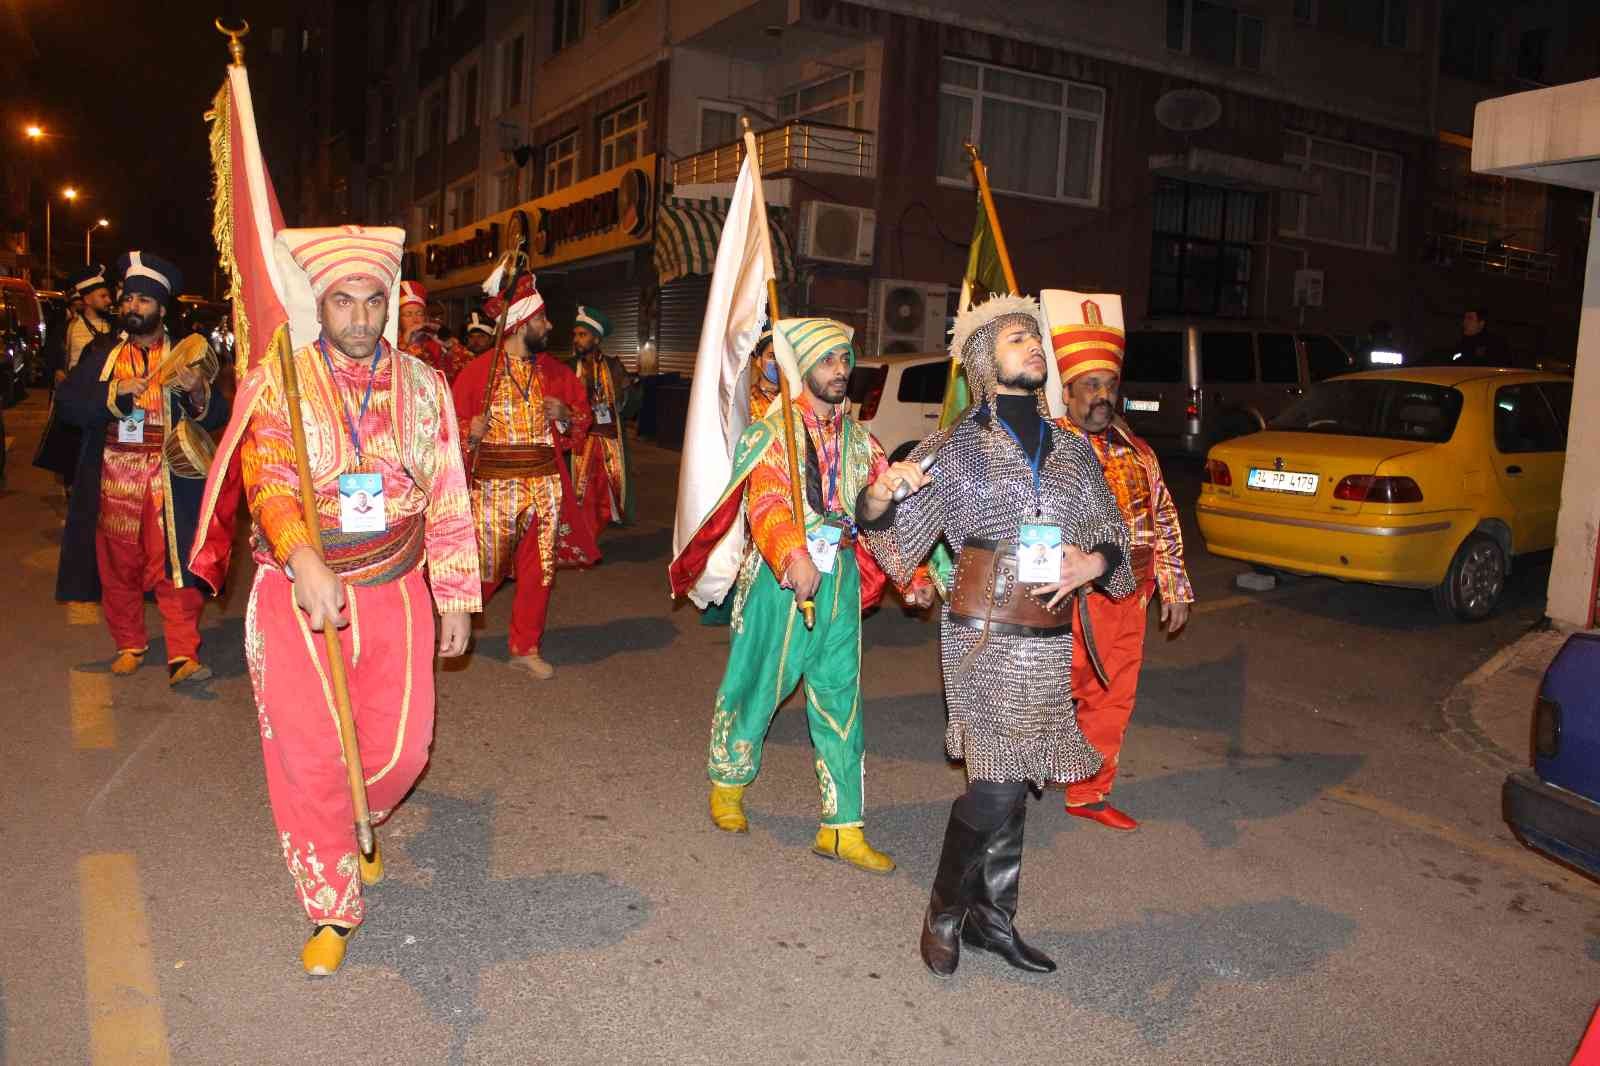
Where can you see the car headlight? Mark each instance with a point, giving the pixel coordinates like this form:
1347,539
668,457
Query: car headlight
1546,728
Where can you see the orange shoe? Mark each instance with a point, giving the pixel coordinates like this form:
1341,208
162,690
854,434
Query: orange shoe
1105,814
186,669
127,661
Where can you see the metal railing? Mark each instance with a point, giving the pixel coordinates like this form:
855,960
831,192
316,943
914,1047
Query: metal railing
813,146
1490,257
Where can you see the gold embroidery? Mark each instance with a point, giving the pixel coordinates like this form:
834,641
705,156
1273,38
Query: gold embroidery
830,791
728,767
322,902
255,648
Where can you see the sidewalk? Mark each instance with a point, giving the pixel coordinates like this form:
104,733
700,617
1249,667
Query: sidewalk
1489,714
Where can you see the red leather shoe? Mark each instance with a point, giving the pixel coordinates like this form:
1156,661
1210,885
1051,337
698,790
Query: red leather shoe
1107,816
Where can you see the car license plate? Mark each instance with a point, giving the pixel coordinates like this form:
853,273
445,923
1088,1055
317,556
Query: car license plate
1141,405
1283,481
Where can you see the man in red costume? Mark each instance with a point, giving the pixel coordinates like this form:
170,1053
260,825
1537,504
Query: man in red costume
379,422
518,405
414,335
1086,332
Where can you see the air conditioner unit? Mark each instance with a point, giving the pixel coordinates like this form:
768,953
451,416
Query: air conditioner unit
907,316
837,233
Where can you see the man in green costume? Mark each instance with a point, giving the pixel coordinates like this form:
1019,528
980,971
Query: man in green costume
815,560
600,473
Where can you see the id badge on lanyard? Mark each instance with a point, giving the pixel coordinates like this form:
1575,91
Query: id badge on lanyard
823,544
1038,554
602,414
130,430
361,504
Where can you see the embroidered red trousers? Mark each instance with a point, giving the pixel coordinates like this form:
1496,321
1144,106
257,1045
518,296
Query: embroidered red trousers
388,649
1104,710
130,547
530,603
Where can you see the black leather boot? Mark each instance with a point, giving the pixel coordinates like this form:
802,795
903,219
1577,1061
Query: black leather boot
947,905
992,900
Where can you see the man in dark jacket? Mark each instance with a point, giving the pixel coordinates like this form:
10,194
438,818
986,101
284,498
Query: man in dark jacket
1478,346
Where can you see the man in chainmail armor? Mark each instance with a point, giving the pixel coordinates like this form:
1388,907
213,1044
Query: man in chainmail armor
1002,476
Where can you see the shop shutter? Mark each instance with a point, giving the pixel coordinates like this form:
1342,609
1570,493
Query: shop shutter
621,306
683,309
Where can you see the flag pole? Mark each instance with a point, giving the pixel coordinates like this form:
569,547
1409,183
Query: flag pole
518,258
283,347
807,607
980,175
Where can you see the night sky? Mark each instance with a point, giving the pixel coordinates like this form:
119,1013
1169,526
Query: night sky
121,90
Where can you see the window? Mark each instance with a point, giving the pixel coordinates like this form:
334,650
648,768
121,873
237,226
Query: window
839,99
1359,205
923,383
1402,410
425,217
1154,357
1559,396
718,125
404,52
1201,261
463,204
1215,32
613,6
1226,358
510,67
568,26
1280,365
561,162
1523,421
1305,12
464,100
507,188
430,126
622,134
1039,136
1485,207
405,140
1466,45
1324,357
1533,50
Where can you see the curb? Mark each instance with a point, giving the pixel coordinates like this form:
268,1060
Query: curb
1461,727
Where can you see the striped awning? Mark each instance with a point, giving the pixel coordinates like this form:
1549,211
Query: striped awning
687,232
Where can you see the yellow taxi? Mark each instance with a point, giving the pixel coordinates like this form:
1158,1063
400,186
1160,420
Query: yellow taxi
1427,477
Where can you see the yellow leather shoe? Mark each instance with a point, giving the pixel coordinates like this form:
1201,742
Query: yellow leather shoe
371,872
127,661
535,665
186,669
324,951
727,808
850,845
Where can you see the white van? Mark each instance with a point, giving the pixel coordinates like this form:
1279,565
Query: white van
899,397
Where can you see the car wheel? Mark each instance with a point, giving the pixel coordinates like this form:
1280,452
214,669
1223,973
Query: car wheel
8,387
1476,580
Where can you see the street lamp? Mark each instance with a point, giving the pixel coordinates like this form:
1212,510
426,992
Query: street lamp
88,240
71,194
34,131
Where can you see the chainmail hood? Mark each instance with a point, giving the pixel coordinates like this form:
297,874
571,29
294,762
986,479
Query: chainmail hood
973,340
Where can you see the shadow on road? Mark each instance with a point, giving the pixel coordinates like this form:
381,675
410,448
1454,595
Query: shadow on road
582,645
636,546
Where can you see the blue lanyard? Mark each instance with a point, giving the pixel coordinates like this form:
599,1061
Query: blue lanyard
1035,461
372,377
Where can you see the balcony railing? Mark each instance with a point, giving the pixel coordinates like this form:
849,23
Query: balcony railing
1491,257
814,146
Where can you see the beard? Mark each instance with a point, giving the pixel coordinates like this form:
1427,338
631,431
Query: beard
534,345
1022,379
828,390
138,325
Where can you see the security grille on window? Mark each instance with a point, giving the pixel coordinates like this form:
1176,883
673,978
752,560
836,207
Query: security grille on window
1215,32
622,135
568,24
511,72
561,162
1039,136
1201,260
840,100
1358,204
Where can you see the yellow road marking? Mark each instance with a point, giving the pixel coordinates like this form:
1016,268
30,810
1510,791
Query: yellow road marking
83,614
92,724
124,1000
1511,855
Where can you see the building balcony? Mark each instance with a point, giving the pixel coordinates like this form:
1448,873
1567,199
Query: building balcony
1490,257
810,146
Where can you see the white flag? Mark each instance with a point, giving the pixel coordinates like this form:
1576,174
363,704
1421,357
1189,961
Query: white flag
719,395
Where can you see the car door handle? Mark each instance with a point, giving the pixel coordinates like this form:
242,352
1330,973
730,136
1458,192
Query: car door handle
1514,470
933,415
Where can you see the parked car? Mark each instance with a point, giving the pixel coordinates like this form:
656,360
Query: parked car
21,338
1425,478
1188,385
1555,806
899,397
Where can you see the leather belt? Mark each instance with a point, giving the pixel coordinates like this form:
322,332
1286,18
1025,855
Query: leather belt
498,462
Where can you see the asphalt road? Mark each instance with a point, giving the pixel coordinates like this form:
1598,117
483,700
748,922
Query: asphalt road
1318,878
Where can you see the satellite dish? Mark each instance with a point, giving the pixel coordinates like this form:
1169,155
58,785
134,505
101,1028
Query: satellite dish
1188,110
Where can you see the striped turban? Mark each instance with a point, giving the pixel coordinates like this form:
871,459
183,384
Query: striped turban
802,343
336,253
412,292
1085,331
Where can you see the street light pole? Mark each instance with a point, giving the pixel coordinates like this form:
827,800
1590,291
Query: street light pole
88,240
47,242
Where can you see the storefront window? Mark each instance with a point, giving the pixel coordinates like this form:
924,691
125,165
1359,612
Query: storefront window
622,135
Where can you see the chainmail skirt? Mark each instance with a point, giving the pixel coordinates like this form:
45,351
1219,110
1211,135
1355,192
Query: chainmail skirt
1012,716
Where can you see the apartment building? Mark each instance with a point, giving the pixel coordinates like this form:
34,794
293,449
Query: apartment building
1283,160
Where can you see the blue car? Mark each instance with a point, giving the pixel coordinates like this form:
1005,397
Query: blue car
1555,807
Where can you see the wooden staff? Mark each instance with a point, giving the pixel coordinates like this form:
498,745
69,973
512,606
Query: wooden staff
518,259
796,491
980,175
330,631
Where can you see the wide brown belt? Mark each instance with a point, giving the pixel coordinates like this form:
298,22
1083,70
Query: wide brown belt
988,596
497,462
154,437
376,558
